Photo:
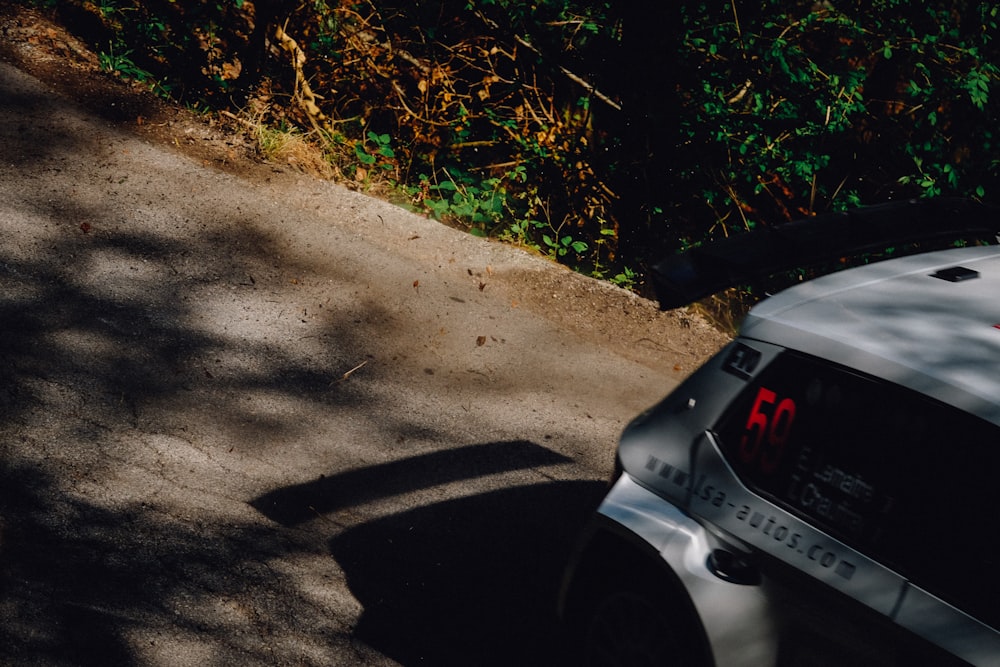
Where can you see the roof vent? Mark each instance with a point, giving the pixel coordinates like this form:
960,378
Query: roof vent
956,274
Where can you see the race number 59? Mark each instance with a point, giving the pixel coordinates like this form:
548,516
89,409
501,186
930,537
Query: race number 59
768,427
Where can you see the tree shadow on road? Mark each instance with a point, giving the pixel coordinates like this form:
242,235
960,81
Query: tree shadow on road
162,362
81,583
117,402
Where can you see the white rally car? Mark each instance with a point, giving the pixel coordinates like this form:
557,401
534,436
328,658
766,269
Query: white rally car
825,490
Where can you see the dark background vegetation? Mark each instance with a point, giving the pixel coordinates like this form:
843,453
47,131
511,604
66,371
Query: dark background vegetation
604,134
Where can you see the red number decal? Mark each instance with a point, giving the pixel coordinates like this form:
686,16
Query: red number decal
756,426
777,437
767,433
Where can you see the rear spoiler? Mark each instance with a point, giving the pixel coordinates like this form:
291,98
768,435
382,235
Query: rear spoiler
739,260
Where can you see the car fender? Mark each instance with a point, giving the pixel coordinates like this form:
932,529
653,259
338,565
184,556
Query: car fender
736,617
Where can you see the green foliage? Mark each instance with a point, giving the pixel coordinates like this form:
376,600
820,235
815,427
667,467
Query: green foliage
506,116
796,112
627,278
119,62
487,207
559,246
561,25
376,151
478,205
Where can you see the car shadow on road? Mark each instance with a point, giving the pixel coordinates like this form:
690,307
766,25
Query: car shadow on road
467,581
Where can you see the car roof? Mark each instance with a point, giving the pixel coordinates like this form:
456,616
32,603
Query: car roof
930,322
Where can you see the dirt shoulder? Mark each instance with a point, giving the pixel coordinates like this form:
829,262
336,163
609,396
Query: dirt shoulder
48,51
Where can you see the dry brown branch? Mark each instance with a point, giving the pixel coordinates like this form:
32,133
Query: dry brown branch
349,373
579,80
303,93
401,96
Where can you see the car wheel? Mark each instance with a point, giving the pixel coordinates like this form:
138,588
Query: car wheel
628,628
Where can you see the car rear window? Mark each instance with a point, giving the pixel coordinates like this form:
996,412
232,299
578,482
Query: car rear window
902,478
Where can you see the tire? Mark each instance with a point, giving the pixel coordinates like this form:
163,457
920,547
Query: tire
630,628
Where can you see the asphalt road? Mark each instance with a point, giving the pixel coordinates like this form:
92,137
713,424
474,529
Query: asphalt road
271,421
